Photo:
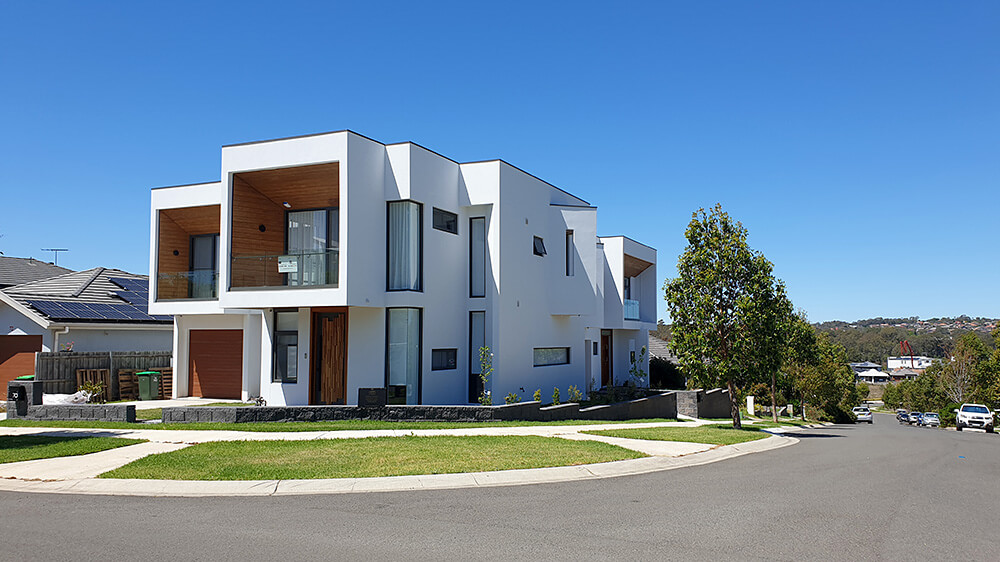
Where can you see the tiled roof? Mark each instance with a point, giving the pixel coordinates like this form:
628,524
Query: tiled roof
660,348
14,271
89,287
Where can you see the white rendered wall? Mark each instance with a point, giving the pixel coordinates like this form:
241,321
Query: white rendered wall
11,320
303,151
98,339
196,195
183,324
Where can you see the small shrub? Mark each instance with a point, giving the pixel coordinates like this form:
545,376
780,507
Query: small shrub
511,398
537,396
94,390
555,396
574,394
947,414
485,371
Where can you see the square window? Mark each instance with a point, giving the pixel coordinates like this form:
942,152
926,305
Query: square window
444,359
446,221
539,246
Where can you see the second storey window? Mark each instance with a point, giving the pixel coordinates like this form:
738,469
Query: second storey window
405,241
477,257
570,254
443,220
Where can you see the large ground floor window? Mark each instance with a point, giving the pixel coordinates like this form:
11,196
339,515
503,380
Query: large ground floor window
402,365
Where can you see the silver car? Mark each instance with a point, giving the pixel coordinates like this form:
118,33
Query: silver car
930,419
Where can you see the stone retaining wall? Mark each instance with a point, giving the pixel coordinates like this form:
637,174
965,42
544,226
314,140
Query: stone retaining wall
701,404
658,406
75,412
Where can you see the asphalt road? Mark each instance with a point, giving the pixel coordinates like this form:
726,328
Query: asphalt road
878,492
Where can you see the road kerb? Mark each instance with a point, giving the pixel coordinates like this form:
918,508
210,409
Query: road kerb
261,488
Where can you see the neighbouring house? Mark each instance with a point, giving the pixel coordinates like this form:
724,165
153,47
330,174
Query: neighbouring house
903,374
872,376
864,366
317,266
93,310
664,366
917,362
14,271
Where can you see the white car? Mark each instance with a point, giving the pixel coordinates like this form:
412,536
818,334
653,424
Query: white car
974,415
862,414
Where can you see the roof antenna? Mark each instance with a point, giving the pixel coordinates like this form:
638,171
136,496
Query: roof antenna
55,253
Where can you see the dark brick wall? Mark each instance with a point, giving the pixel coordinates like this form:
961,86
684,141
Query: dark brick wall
76,412
658,406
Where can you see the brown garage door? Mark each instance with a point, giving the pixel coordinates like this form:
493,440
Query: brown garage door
215,369
17,357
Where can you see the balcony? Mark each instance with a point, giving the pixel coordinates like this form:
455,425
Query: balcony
203,285
305,269
631,309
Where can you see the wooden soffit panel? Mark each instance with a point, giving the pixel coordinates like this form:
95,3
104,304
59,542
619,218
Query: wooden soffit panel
196,220
634,266
302,187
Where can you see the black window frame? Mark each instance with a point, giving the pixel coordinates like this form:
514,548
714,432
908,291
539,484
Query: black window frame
420,256
454,358
569,358
420,353
276,377
536,243
472,295
570,254
330,231
215,261
434,223
475,380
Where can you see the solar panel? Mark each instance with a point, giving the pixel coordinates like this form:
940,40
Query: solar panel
52,309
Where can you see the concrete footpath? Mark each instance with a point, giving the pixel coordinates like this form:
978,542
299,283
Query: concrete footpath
78,475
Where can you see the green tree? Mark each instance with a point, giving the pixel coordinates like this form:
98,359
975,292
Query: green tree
959,376
717,304
801,356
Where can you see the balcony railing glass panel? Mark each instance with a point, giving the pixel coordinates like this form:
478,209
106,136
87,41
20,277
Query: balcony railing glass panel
305,269
631,309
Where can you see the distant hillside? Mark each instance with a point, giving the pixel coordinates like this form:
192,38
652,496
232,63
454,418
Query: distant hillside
875,339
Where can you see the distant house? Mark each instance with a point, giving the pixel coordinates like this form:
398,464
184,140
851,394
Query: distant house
872,376
918,362
93,310
864,366
903,375
15,271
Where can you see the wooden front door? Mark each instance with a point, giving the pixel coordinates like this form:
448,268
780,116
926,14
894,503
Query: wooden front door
328,380
607,376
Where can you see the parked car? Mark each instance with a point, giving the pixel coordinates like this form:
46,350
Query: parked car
862,414
974,415
931,419
902,416
914,418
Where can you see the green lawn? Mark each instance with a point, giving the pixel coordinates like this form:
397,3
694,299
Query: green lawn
15,448
308,426
374,456
712,435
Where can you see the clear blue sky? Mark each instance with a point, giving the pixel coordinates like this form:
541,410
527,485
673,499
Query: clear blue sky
857,141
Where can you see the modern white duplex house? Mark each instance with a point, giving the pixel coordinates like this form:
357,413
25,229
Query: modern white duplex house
323,264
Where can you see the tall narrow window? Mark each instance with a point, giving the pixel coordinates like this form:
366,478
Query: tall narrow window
477,340
204,266
628,288
405,246
477,257
311,247
286,347
403,355
570,254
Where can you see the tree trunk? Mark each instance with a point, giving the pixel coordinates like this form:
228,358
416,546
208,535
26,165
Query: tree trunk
734,405
802,407
774,391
